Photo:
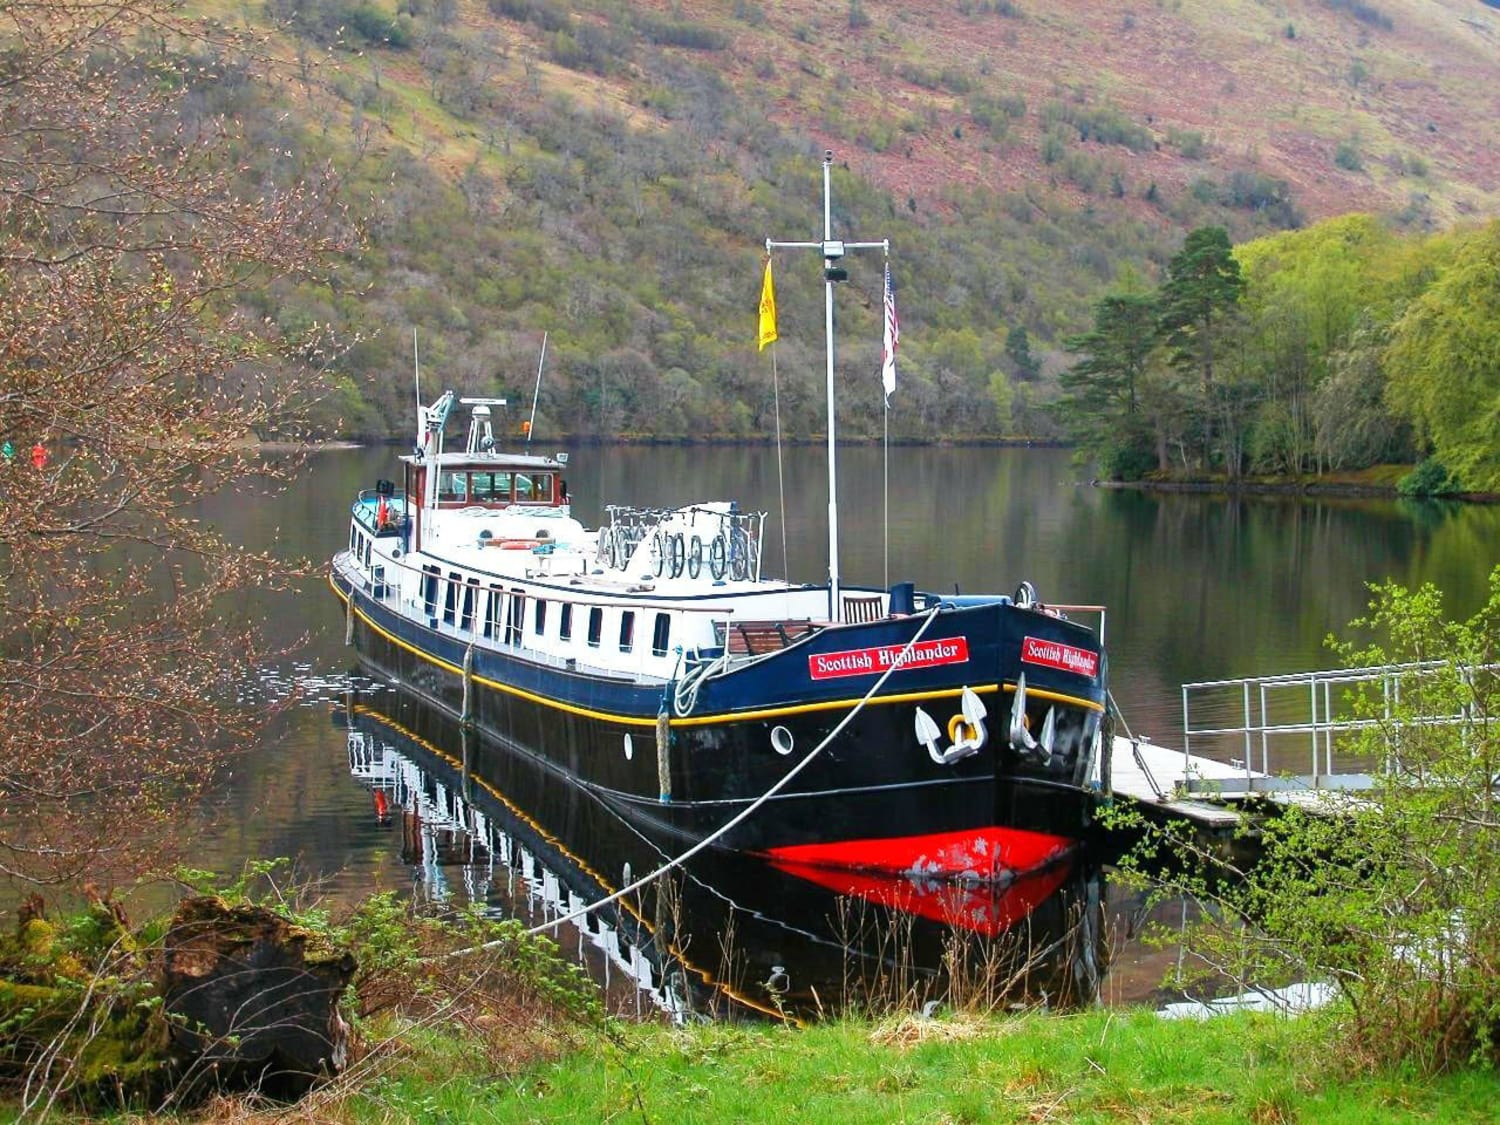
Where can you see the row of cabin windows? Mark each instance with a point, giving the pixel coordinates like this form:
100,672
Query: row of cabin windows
473,487
504,614
359,545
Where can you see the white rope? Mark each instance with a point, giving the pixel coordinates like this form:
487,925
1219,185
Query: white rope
744,814
735,821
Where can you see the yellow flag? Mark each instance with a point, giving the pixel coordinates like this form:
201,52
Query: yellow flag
767,309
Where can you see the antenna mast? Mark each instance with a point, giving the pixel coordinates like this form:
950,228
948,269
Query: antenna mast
833,251
536,394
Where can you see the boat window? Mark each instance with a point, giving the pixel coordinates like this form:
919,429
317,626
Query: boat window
453,485
365,544
494,610
541,616
524,488
660,634
596,626
542,487
516,622
565,622
471,596
430,590
627,630
450,599
353,536
490,488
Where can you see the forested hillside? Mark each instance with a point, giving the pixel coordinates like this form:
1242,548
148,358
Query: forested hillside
608,172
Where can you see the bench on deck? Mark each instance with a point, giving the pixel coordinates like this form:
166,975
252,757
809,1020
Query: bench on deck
756,638
861,608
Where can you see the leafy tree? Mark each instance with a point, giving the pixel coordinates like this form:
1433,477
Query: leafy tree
1197,306
130,251
1306,292
1443,361
1352,424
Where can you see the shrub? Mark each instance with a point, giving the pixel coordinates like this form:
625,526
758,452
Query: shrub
1126,462
1392,895
1430,478
1347,157
1188,142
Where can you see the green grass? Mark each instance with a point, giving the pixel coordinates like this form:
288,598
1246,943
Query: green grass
1096,1067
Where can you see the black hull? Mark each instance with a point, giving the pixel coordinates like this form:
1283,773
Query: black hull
873,798
731,933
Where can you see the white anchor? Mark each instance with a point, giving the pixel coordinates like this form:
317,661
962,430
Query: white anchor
970,723
1020,738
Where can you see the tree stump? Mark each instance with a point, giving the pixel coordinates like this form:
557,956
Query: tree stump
252,1000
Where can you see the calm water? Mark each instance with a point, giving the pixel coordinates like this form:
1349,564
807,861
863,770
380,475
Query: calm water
1196,588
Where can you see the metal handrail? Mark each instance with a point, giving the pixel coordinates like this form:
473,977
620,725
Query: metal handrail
1319,723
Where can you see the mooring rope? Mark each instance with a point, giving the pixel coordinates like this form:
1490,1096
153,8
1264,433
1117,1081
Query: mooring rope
738,819
747,812
1135,748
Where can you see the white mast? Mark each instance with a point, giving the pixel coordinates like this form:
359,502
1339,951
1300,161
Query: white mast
833,251
531,425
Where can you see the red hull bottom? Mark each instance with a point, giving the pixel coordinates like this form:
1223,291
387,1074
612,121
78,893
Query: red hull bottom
978,855
985,880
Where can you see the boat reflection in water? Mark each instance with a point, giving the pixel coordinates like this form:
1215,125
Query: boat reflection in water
728,934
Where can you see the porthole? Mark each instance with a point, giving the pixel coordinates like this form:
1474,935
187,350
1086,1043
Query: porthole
629,748
782,740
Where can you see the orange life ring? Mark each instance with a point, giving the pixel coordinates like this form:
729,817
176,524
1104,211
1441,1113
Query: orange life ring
517,544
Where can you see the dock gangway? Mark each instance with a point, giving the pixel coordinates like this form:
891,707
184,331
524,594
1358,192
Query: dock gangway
1303,731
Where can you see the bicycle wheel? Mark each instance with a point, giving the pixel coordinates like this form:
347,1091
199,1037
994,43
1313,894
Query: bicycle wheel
739,555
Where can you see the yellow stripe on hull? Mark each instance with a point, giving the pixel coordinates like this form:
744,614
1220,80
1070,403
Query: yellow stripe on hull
721,717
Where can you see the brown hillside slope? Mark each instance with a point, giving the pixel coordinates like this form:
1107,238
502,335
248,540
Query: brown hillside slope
1412,87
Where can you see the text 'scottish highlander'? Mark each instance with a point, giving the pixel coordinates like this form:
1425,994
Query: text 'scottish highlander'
831,727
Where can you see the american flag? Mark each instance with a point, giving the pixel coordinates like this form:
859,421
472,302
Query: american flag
892,339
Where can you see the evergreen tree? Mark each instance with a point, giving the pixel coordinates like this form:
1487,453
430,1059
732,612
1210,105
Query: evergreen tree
1100,402
1018,350
1198,302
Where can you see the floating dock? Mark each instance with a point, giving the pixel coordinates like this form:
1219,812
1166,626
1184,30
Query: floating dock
1157,776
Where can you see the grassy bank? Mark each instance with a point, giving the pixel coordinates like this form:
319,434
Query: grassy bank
1097,1066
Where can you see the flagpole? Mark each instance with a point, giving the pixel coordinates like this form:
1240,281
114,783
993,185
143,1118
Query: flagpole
833,251
891,337
886,465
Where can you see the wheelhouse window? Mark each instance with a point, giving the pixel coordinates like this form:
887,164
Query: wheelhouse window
525,488
627,630
661,634
453,487
596,626
490,488
565,622
540,625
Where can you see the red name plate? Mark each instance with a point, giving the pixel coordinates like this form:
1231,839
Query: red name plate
1054,654
873,661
